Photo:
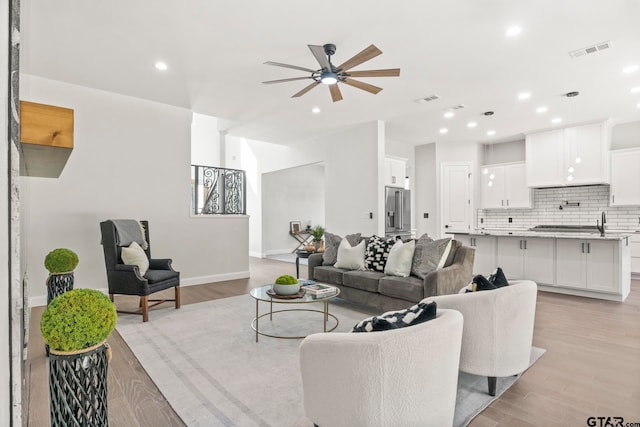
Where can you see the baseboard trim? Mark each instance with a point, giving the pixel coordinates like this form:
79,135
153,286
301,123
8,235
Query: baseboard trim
257,255
277,252
191,281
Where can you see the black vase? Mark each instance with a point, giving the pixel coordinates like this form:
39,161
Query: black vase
58,284
78,387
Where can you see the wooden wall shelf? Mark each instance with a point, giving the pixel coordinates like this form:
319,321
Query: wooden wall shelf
46,136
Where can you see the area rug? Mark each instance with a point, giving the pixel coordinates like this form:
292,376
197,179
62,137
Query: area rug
206,362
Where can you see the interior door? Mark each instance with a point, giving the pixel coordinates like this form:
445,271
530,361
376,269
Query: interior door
455,194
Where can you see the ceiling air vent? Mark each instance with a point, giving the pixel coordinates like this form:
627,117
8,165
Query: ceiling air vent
457,107
427,99
590,49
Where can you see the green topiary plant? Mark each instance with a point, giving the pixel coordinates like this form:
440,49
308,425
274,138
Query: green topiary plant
317,232
286,280
61,260
78,319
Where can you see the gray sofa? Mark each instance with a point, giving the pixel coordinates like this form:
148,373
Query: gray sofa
385,293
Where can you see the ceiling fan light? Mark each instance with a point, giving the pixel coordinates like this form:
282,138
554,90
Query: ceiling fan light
329,78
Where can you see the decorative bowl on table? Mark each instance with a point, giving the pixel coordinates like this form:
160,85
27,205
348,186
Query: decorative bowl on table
286,285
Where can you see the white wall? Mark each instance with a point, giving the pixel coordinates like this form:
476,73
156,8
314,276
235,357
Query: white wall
294,194
505,152
625,135
131,160
350,158
426,181
205,140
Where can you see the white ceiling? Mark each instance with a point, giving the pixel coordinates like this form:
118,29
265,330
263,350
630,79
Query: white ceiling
215,50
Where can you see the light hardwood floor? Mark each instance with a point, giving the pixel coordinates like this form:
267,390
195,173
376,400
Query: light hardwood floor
591,367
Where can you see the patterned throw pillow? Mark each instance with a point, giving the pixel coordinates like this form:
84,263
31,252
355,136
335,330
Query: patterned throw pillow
375,257
480,283
414,315
498,279
331,244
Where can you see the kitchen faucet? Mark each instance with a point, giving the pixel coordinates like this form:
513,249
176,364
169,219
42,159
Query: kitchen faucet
601,226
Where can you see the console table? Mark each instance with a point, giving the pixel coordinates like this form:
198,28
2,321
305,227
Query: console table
303,238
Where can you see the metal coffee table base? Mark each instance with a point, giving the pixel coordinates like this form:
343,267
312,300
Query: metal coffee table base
255,321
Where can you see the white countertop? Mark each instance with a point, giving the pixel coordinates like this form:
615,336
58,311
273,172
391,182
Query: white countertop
609,235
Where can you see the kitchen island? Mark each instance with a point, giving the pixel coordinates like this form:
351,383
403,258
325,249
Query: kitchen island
573,262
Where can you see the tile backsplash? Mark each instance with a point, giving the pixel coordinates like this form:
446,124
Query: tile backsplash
593,200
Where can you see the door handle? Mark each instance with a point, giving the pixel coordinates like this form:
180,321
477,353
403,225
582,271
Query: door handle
588,248
583,247
521,244
446,226
508,205
525,245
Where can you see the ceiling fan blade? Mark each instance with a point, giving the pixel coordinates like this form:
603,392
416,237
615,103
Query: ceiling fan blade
295,67
321,57
285,80
306,89
362,85
366,54
391,72
336,95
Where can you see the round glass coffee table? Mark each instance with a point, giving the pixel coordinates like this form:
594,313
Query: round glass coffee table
260,294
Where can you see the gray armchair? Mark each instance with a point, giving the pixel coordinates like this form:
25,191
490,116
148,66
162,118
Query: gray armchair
126,279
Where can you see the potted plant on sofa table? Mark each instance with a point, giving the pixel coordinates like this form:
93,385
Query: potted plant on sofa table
318,232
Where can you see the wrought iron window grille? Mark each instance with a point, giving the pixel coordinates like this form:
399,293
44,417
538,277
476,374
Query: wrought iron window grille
218,191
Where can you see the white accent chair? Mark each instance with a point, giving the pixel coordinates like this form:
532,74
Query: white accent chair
498,329
401,377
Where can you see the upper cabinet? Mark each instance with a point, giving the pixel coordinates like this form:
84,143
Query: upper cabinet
625,177
46,136
504,186
395,171
572,156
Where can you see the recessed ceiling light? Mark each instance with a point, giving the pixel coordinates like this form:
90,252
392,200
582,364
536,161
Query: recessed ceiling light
315,110
524,95
449,114
161,66
635,89
631,68
556,120
444,130
513,31
472,124
491,132
541,109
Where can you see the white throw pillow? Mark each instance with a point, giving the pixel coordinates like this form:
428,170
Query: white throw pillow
445,255
400,258
135,255
350,257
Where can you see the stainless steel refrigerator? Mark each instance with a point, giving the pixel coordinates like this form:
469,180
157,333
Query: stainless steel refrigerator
398,212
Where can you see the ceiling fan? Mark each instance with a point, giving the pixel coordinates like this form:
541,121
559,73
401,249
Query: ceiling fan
331,75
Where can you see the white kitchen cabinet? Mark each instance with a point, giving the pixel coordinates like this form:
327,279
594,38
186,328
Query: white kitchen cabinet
625,177
544,158
634,243
529,258
484,261
508,187
588,264
587,152
395,172
576,155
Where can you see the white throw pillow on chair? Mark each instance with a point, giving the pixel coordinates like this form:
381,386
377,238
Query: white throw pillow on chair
135,255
